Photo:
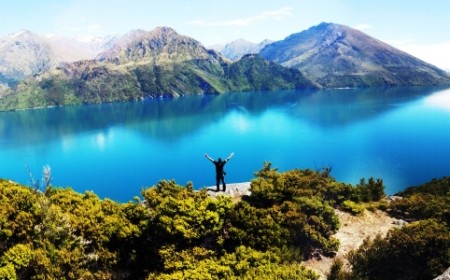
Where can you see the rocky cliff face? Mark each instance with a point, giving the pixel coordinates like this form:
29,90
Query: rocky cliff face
338,56
444,276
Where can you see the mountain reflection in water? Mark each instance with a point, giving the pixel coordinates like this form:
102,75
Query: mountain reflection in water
399,134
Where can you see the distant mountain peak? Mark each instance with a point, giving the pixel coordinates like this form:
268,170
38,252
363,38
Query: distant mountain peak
332,55
22,33
327,24
25,53
240,47
158,45
159,33
164,29
339,56
239,41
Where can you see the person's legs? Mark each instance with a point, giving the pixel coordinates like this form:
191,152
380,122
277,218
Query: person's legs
224,187
217,183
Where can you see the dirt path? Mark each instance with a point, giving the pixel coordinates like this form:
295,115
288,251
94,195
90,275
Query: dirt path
354,229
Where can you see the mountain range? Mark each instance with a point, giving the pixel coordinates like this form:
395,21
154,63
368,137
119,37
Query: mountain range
25,53
240,47
38,71
338,56
145,64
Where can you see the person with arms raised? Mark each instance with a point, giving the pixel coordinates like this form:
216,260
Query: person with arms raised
220,173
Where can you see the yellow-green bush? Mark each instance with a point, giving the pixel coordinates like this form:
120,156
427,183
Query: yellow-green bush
352,207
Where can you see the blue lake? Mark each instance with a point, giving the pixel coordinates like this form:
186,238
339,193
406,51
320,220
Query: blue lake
400,134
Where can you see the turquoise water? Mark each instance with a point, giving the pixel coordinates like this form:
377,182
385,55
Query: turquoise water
401,135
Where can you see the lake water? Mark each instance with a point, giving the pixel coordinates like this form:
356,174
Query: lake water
401,135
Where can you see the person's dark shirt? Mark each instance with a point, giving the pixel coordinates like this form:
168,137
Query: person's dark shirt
219,167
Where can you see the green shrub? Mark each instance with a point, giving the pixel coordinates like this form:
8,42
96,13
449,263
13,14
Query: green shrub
372,190
430,200
353,208
416,251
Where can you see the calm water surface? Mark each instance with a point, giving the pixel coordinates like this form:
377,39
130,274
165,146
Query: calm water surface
401,135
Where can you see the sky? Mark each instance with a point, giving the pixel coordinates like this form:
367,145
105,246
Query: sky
418,27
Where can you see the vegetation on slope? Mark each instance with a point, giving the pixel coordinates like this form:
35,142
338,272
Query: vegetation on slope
174,232
145,64
97,82
420,250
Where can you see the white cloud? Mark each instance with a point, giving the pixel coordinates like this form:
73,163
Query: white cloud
362,26
440,100
437,54
279,15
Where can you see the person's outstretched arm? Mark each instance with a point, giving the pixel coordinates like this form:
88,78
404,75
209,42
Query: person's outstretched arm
208,157
229,157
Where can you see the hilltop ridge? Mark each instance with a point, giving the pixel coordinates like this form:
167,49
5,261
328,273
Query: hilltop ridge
336,55
146,64
142,65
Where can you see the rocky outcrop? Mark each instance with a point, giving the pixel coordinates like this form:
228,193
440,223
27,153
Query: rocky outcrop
236,190
444,276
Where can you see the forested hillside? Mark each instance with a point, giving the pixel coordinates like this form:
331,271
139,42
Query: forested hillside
175,232
141,65
419,250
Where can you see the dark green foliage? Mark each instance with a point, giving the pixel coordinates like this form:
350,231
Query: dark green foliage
18,215
244,263
337,272
372,190
299,201
421,249
430,200
417,251
271,187
252,72
60,234
422,206
258,228
100,83
176,232
437,187
96,82
184,218
179,79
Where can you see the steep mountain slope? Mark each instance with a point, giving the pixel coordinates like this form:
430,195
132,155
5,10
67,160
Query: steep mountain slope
240,47
25,54
158,46
68,49
254,72
338,56
144,64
